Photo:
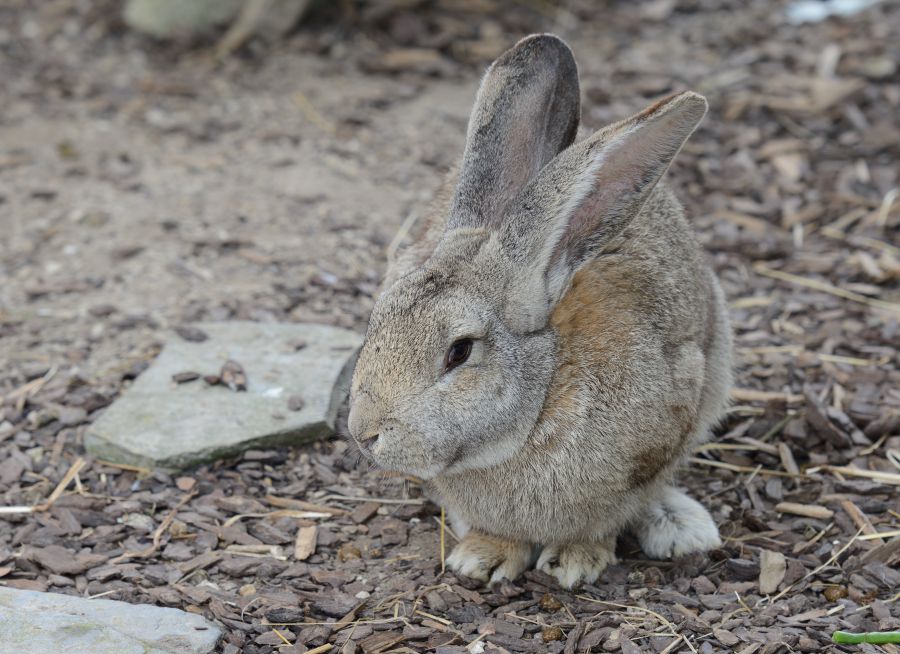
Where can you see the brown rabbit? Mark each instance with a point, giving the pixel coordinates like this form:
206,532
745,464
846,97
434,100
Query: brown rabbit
553,343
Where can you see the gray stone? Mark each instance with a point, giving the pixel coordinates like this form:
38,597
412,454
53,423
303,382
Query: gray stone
166,19
37,623
169,18
161,423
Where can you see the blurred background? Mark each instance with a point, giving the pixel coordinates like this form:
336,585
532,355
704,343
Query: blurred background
170,161
164,161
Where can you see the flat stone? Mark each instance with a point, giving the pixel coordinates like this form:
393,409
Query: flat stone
159,423
36,623
169,18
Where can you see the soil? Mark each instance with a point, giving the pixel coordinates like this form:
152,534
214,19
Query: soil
145,186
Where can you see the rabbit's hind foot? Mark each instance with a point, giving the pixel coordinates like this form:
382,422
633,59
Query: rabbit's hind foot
673,525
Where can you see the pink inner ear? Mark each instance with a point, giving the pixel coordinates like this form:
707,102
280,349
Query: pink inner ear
624,167
526,151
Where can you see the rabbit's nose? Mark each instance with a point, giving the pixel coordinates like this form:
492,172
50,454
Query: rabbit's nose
361,418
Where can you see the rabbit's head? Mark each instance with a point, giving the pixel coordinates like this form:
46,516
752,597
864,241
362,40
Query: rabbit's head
459,354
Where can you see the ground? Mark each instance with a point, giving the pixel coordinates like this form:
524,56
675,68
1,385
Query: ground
145,185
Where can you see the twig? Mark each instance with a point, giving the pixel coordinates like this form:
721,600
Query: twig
834,557
71,474
157,535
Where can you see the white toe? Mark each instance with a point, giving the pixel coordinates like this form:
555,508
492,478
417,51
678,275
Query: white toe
577,562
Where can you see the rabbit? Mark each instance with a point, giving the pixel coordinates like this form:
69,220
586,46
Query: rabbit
552,343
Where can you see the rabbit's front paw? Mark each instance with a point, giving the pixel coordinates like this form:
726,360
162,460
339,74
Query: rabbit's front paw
577,562
675,525
490,559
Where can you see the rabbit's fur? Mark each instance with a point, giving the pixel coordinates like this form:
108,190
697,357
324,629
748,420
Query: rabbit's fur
601,350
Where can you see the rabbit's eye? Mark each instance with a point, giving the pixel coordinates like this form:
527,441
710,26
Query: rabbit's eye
458,353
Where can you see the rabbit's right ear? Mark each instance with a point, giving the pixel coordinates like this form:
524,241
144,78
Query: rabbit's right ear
527,110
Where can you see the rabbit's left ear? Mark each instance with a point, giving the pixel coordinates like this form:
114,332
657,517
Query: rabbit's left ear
526,111
583,198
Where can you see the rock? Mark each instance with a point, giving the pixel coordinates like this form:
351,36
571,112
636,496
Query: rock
158,423
167,19
33,623
171,18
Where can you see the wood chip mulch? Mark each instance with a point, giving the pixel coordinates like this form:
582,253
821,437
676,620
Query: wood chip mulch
793,181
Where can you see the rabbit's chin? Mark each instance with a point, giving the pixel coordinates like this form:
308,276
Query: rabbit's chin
463,459
486,455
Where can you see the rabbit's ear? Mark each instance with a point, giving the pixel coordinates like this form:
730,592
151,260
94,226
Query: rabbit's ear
526,111
586,197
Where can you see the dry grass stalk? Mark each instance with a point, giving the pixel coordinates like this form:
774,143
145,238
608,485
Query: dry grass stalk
805,510
849,471
887,204
19,396
753,395
281,513
755,470
443,546
824,287
662,619
443,621
752,302
853,361
281,636
860,241
381,500
799,548
157,535
300,505
312,114
879,535
71,473
894,457
834,557
144,472
410,221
